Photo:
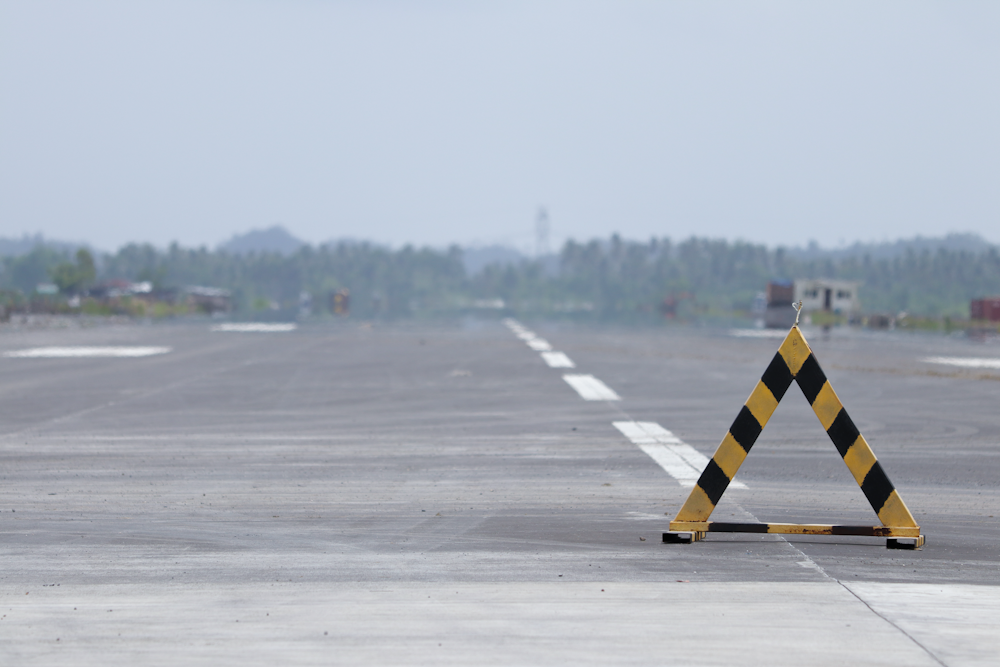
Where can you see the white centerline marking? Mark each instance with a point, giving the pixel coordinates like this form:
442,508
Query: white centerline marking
256,327
590,388
964,362
76,352
681,461
534,341
558,360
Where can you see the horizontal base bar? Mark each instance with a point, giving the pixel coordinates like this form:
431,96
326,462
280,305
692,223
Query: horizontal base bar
794,529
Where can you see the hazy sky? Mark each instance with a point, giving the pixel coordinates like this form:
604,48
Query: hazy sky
438,122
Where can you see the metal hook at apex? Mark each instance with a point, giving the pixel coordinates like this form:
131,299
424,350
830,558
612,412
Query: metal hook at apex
798,311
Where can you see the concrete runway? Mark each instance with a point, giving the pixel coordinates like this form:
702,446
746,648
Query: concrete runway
404,494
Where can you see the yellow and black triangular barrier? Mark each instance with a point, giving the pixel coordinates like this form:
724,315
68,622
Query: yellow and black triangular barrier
795,361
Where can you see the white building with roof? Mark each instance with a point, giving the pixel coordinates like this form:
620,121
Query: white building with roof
838,296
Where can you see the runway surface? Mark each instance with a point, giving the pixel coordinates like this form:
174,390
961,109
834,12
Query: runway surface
481,493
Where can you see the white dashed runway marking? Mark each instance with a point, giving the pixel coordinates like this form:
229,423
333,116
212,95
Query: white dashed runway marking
681,461
77,352
558,360
965,362
256,327
590,388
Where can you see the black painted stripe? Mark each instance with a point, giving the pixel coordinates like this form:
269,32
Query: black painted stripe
713,481
745,429
877,487
777,377
843,432
722,527
810,378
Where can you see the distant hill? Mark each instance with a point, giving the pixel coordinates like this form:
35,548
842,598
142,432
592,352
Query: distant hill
888,249
11,247
477,259
274,239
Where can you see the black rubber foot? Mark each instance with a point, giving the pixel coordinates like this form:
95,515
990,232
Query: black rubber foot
909,543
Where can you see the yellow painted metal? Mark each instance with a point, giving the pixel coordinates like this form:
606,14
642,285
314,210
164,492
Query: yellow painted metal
896,513
698,507
859,459
688,526
827,406
730,456
761,403
794,350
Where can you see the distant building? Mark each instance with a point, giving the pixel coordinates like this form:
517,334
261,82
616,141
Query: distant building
780,293
837,296
985,309
340,302
209,300
115,289
779,313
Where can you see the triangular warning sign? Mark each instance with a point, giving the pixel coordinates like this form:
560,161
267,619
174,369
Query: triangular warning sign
795,361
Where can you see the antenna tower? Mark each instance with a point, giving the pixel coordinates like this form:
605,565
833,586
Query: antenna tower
542,232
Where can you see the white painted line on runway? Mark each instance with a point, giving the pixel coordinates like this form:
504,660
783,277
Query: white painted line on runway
528,336
535,342
539,344
758,333
256,327
681,461
965,362
590,388
558,360
77,352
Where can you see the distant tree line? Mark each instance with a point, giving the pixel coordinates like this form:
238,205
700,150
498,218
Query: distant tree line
622,279
611,280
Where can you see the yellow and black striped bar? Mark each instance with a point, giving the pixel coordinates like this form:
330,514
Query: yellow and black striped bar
794,361
795,529
693,531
